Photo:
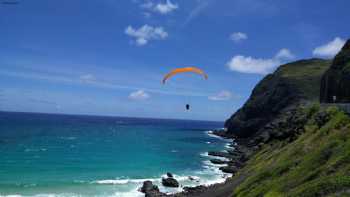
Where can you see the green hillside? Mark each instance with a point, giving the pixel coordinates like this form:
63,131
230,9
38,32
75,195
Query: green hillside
316,162
305,75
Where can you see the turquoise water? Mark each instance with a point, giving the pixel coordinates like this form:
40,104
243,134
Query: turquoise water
60,155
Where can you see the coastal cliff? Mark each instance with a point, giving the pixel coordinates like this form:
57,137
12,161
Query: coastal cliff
336,81
289,85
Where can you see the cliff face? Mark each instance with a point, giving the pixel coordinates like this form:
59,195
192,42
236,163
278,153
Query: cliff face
290,84
335,85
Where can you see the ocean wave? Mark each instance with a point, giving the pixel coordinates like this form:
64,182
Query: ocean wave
123,181
42,195
208,163
182,177
205,154
134,193
35,150
136,181
228,146
211,134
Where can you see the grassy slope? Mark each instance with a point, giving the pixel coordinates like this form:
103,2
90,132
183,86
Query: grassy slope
317,163
306,75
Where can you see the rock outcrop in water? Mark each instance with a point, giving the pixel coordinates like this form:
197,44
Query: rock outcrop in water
335,85
289,85
151,190
170,182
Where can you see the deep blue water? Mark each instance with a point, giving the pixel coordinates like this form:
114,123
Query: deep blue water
64,155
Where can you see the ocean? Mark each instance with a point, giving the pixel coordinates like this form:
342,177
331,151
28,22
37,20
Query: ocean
66,155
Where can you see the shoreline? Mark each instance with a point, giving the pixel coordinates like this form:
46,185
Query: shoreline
229,161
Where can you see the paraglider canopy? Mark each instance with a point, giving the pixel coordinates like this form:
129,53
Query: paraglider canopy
184,70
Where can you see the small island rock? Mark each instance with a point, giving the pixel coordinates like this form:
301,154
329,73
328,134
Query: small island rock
170,182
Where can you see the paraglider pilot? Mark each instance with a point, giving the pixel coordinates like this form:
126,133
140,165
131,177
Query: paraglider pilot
184,70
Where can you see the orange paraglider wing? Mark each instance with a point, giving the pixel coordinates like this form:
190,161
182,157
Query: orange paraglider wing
184,70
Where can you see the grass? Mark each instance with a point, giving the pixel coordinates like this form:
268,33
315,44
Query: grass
307,78
317,163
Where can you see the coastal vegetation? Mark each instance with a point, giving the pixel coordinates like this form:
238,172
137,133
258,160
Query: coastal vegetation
317,163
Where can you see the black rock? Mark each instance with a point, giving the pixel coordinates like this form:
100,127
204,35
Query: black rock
149,187
170,182
151,190
237,164
218,161
194,190
234,152
219,154
222,133
155,194
229,169
169,175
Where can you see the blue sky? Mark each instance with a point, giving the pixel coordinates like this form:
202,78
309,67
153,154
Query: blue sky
107,57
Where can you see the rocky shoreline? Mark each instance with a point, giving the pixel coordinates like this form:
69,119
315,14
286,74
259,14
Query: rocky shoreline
233,159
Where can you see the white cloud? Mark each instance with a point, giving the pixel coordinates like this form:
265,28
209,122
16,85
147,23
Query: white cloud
88,78
238,36
161,8
165,8
244,64
252,65
330,49
285,54
139,95
146,33
221,96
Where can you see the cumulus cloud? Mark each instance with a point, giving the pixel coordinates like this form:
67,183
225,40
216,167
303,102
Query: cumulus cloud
139,95
161,8
221,96
285,54
253,65
238,36
165,8
146,33
330,49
